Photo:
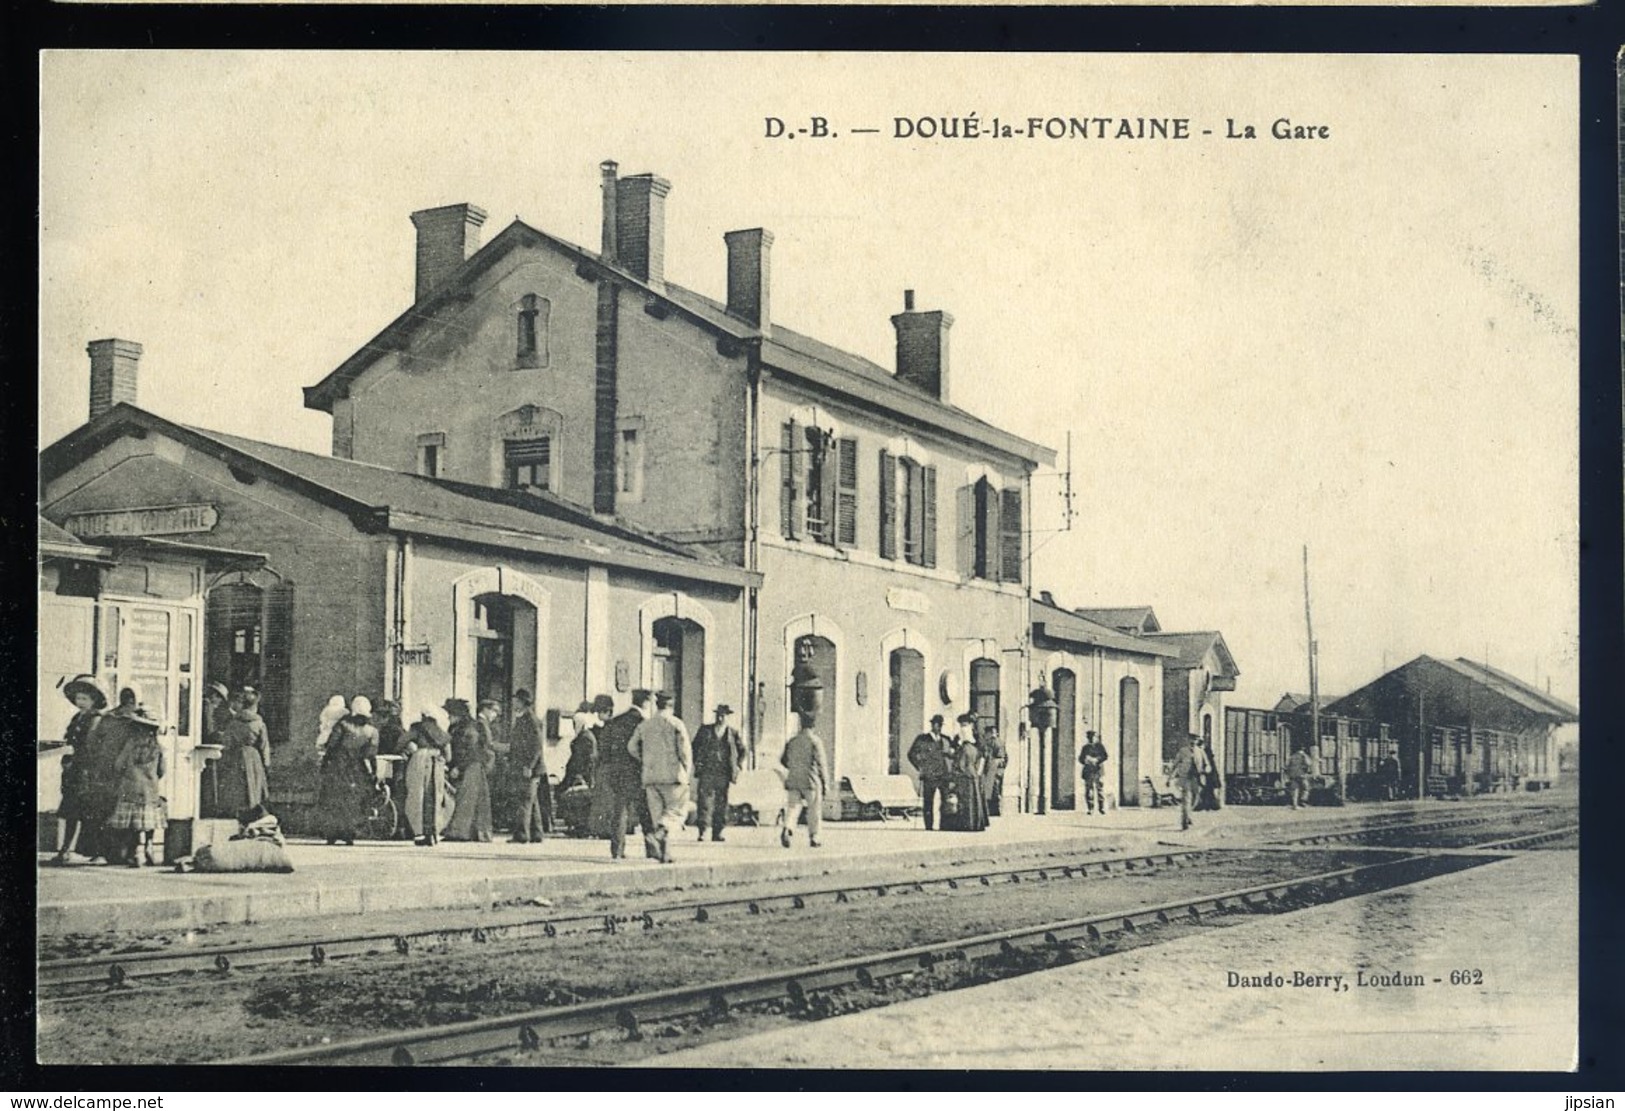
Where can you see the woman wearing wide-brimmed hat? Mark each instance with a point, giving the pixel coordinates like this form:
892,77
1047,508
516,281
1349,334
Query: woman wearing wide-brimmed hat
140,808
77,810
240,776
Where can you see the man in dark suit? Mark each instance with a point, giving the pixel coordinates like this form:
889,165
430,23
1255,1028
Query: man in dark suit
719,753
623,774
929,755
527,768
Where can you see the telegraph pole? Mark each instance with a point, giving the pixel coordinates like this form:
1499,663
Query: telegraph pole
1314,684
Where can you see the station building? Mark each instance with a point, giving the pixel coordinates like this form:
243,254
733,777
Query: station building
1107,681
876,529
311,576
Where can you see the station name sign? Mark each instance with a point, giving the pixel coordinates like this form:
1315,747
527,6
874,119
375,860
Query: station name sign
160,520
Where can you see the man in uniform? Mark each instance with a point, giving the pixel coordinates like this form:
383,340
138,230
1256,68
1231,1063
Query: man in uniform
929,755
622,775
1298,770
1093,765
661,746
995,759
719,752
527,769
1190,766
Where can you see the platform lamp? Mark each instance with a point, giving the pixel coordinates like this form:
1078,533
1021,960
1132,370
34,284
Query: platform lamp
1041,707
806,691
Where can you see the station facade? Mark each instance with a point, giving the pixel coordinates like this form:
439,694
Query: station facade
887,526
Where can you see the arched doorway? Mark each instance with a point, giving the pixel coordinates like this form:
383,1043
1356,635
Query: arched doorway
905,711
502,629
1128,724
679,667
1063,794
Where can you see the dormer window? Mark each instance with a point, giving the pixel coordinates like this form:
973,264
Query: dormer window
533,314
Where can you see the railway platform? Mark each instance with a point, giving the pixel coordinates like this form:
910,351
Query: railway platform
1495,949
332,881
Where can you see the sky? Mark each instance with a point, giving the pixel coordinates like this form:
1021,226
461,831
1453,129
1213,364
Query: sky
1364,343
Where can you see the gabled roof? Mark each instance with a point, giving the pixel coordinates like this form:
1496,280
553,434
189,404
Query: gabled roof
1138,620
1291,703
381,499
1194,647
1453,692
1055,623
784,351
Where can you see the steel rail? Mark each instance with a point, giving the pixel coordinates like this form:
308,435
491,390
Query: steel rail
530,1030
1397,827
119,970
1529,838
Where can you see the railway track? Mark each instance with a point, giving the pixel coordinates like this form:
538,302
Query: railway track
1356,833
73,978
536,1031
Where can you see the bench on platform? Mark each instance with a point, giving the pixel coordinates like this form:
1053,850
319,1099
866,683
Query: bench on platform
879,797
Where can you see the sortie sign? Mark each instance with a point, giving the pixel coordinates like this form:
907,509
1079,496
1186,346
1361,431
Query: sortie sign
158,520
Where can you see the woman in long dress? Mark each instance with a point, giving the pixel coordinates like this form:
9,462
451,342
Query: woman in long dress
240,774
428,803
965,780
75,808
471,759
347,774
139,809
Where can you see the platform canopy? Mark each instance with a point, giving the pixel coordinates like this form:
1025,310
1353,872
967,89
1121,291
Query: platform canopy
1455,694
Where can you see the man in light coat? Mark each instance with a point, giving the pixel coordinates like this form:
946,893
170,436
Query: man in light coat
661,744
806,778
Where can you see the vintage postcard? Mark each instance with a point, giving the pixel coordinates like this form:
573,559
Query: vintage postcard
777,560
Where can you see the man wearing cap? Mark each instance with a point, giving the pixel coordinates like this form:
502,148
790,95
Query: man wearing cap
621,774
719,753
929,755
1190,765
527,765
1092,763
660,743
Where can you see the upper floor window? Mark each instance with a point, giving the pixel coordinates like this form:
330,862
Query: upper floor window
629,444
532,319
528,463
818,496
431,454
908,510
990,532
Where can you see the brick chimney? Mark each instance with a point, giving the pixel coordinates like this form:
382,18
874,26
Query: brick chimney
606,172
922,348
640,226
114,364
446,237
748,274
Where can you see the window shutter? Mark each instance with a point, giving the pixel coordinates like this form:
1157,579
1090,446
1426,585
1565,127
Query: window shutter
795,486
888,505
826,504
985,555
967,531
928,516
276,663
846,515
1010,536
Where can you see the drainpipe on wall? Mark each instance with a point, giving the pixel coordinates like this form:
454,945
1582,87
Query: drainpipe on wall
753,524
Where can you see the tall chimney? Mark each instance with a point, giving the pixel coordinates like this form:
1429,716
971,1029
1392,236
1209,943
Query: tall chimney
446,237
922,348
748,274
606,172
114,364
640,226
